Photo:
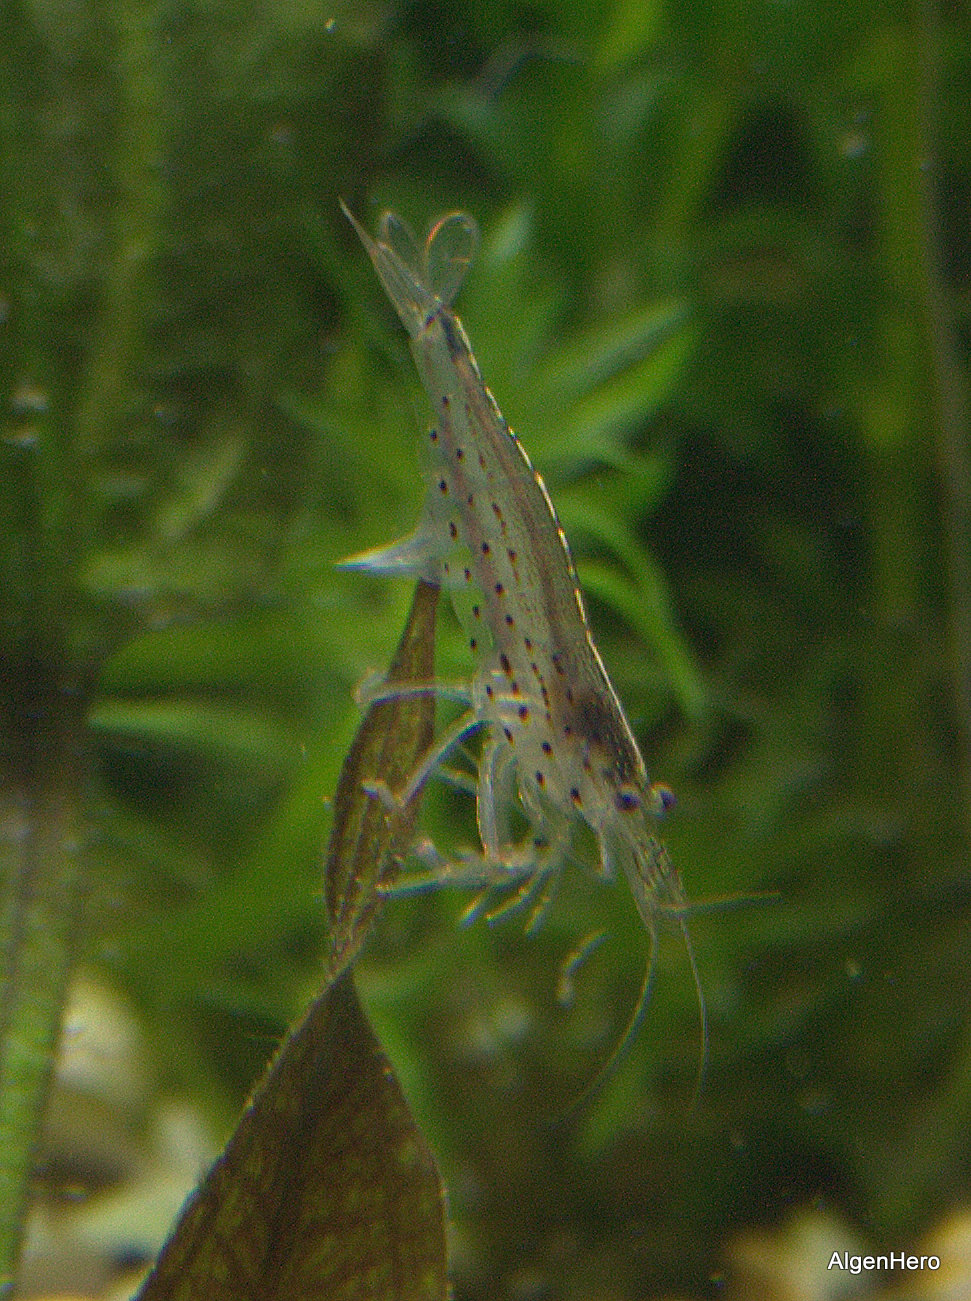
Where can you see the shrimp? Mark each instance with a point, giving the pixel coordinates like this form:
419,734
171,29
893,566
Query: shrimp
557,744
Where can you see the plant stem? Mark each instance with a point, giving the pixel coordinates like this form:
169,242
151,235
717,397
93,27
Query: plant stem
44,632
40,921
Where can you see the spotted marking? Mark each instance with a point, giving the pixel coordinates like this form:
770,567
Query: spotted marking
531,603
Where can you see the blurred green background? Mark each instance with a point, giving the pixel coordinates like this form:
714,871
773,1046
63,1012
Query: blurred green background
723,298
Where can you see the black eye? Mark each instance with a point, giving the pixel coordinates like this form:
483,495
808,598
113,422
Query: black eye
627,799
662,798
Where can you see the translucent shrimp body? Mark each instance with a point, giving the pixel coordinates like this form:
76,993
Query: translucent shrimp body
556,735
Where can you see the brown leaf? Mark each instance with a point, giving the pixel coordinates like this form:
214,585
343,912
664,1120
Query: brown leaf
327,1189
367,843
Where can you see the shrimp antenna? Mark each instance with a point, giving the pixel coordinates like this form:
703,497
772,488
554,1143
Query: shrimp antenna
619,1054
702,1016
682,912
636,1020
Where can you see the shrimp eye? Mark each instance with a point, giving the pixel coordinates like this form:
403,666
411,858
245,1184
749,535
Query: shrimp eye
662,799
627,798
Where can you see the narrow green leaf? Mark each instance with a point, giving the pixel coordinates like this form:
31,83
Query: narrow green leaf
243,735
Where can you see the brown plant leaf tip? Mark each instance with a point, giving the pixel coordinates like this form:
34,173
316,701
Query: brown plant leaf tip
368,840
327,1189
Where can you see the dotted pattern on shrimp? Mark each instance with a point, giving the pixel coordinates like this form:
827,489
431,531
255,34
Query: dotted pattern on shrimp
555,724
490,528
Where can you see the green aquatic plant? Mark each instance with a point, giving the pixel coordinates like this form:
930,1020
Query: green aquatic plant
719,294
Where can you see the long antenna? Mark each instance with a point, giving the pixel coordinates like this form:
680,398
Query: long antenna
617,1057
